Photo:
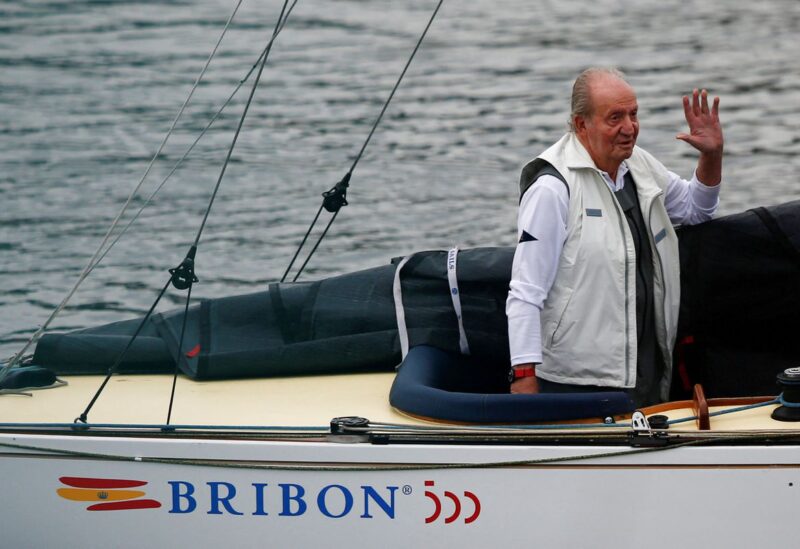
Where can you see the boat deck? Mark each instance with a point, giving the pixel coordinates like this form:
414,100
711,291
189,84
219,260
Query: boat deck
296,402
144,399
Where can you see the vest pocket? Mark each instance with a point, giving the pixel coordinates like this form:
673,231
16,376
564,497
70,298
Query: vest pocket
555,329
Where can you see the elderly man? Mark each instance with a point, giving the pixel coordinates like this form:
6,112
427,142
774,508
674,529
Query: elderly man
594,294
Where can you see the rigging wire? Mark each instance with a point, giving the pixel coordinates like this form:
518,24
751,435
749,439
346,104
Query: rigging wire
241,123
183,276
300,247
336,197
316,245
281,18
180,353
185,155
397,85
94,260
83,417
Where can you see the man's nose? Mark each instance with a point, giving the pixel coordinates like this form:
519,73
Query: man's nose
628,126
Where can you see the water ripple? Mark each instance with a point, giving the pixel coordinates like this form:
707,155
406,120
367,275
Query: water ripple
88,88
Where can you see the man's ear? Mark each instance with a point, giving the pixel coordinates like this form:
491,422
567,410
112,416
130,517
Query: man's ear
579,122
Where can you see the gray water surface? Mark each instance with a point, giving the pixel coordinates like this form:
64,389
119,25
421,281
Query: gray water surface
88,89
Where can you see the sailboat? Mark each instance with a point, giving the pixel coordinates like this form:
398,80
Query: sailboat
293,424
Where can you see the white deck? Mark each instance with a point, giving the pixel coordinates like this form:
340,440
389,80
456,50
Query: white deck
297,401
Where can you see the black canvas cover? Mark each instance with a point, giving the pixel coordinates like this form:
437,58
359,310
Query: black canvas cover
342,324
740,309
740,300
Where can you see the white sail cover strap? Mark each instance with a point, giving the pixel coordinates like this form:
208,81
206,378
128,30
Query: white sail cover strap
452,279
400,313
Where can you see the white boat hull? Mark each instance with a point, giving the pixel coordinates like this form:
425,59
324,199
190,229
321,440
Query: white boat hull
256,493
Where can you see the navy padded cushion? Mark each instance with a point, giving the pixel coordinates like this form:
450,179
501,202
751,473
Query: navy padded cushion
27,377
435,384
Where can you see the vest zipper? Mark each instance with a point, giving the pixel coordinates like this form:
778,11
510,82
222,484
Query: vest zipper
656,254
623,226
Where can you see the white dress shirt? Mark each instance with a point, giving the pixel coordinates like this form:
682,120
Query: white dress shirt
543,215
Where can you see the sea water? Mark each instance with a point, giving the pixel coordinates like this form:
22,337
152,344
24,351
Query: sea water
89,88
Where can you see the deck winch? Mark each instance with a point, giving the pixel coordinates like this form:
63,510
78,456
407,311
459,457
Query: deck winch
789,382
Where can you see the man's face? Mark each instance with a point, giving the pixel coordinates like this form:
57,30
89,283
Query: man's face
610,132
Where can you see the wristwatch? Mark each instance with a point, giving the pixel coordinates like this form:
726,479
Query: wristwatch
516,373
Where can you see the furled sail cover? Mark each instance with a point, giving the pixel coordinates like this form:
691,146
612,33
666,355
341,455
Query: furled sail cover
740,311
740,300
342,324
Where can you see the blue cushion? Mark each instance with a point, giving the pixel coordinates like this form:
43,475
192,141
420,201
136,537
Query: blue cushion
27,377
435,384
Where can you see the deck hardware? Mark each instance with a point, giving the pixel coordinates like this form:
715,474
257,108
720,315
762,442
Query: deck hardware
639,422
343,424
642,433
789,382
659,422
348,429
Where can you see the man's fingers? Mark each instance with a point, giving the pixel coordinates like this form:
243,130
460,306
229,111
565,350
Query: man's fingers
687,109
698,106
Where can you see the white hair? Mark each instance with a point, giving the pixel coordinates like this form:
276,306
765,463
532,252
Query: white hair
581,96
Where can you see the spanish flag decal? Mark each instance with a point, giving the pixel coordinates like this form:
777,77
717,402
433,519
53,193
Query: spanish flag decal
106,494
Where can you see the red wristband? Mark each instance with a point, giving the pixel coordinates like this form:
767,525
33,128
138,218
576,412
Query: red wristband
526,371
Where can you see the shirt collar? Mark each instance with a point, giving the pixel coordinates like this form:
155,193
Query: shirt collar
578,157
620,182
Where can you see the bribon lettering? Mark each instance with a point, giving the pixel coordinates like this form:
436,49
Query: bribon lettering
388,507
261,499
260,487
225,501
297,498
323,505
333,501
185,495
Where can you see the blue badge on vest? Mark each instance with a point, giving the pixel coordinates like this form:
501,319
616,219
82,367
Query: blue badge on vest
594,212
660,236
